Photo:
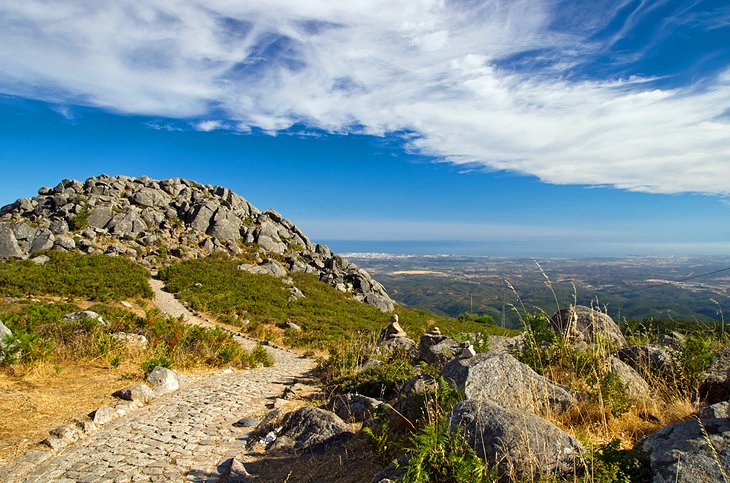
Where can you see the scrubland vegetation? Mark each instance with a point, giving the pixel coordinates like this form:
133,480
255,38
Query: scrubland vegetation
609,419
259,305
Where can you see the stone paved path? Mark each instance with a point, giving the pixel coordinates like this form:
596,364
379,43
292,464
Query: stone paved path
188,435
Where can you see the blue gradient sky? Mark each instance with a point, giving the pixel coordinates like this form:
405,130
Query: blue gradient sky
520,128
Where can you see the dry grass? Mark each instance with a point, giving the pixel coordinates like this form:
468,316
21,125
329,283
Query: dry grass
596,425
34,401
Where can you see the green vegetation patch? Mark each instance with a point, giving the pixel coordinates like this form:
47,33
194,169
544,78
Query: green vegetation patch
41,334
91,277
327,316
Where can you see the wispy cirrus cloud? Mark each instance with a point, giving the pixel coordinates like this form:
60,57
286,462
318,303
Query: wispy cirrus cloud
505,85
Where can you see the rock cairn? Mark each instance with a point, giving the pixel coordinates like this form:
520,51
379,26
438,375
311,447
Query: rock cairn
155,222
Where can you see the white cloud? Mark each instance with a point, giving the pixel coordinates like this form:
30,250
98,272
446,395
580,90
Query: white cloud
209,125
428,66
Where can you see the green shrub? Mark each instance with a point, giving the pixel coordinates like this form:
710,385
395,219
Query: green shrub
259,355
80,220
161,360
440,454
91,277
39,333
378,381
608,463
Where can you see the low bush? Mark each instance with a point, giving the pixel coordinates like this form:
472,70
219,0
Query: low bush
40,333
439,453
379,381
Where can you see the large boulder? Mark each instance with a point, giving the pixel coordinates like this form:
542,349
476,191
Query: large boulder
225,225
649,361
716,387
584,326
9,247
127,225
84,314
689,451
380,302
100,216
522,446
4,331
502,379
398,347
313,429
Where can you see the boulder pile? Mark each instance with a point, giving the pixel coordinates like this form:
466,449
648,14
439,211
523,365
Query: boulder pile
155,222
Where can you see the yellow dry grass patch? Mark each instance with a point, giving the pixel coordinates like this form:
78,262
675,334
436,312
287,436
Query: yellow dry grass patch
36,400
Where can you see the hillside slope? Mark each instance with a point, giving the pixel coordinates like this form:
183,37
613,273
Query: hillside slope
155,222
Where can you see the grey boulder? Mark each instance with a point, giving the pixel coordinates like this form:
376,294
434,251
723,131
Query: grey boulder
649,361
84,314
636,386
522,446
9,247
502,379
313,429
716,386
690,451
437,348
136,393
584,326
353,407
163,380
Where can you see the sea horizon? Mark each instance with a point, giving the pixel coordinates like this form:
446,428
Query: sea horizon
527,249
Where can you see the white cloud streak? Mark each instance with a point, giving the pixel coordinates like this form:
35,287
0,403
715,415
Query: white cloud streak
427,66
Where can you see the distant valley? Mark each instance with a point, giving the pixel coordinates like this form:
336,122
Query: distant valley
631,288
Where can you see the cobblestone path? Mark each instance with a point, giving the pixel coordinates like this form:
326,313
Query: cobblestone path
188,435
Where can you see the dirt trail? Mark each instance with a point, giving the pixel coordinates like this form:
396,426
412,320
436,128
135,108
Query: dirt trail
188,435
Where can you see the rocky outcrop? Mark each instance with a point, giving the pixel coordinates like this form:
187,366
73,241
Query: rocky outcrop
502,379
156,221
584,326
353,407
522,446
649,361
312,429
692,450
716,386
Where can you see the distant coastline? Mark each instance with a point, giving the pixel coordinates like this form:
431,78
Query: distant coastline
525,249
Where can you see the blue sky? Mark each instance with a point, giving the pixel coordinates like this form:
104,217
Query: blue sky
519,127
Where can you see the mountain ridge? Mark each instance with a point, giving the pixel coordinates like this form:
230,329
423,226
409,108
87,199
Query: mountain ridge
155,222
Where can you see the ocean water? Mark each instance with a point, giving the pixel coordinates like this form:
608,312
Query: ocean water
528,249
